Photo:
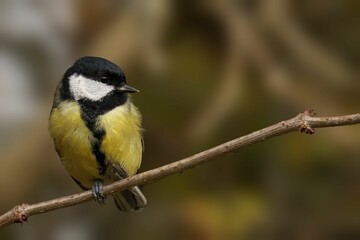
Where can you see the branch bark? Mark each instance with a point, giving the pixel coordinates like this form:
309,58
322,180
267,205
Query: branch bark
303,122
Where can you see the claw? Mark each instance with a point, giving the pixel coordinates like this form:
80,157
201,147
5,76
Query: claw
98,192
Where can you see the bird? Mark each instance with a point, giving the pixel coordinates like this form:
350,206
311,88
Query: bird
96,129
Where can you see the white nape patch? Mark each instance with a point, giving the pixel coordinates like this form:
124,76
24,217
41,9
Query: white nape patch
82,87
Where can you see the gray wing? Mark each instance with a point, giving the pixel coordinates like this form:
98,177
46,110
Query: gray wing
129,200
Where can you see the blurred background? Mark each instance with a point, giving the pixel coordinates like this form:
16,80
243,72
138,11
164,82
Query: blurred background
208,71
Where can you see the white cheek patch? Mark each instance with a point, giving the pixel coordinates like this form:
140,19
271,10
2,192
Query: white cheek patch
82,87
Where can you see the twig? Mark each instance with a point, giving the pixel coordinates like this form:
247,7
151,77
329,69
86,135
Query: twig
303,122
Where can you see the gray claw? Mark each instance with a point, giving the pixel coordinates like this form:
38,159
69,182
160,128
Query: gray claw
98,192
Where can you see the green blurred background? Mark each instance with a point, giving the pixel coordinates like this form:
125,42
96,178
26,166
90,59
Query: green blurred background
208,71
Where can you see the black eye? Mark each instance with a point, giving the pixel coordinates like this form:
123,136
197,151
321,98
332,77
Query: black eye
104,79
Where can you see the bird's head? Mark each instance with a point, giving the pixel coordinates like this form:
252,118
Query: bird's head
93,79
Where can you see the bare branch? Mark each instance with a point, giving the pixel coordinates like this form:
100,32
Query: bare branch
303,122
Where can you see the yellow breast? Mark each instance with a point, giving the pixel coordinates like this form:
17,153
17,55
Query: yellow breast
72,141
122,140
121,143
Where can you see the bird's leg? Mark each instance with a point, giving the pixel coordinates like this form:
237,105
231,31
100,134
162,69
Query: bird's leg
98,192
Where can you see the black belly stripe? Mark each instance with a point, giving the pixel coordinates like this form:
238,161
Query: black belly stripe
90,111
88,114
100,156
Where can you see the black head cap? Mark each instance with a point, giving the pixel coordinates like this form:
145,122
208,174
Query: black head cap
98,69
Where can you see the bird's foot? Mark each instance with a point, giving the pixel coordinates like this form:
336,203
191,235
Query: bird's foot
98,192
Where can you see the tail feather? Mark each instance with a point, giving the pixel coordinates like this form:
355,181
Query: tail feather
130,200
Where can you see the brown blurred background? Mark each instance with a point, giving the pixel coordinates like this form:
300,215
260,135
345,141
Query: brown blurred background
208,71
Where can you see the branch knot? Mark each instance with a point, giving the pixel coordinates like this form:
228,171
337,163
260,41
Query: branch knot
19,213
304,126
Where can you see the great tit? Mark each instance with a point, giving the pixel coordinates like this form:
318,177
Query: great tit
97,129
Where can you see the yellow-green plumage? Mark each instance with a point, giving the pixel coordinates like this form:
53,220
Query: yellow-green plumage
121,143
97,130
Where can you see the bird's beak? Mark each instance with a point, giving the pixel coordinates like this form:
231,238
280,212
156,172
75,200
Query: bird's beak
127,89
